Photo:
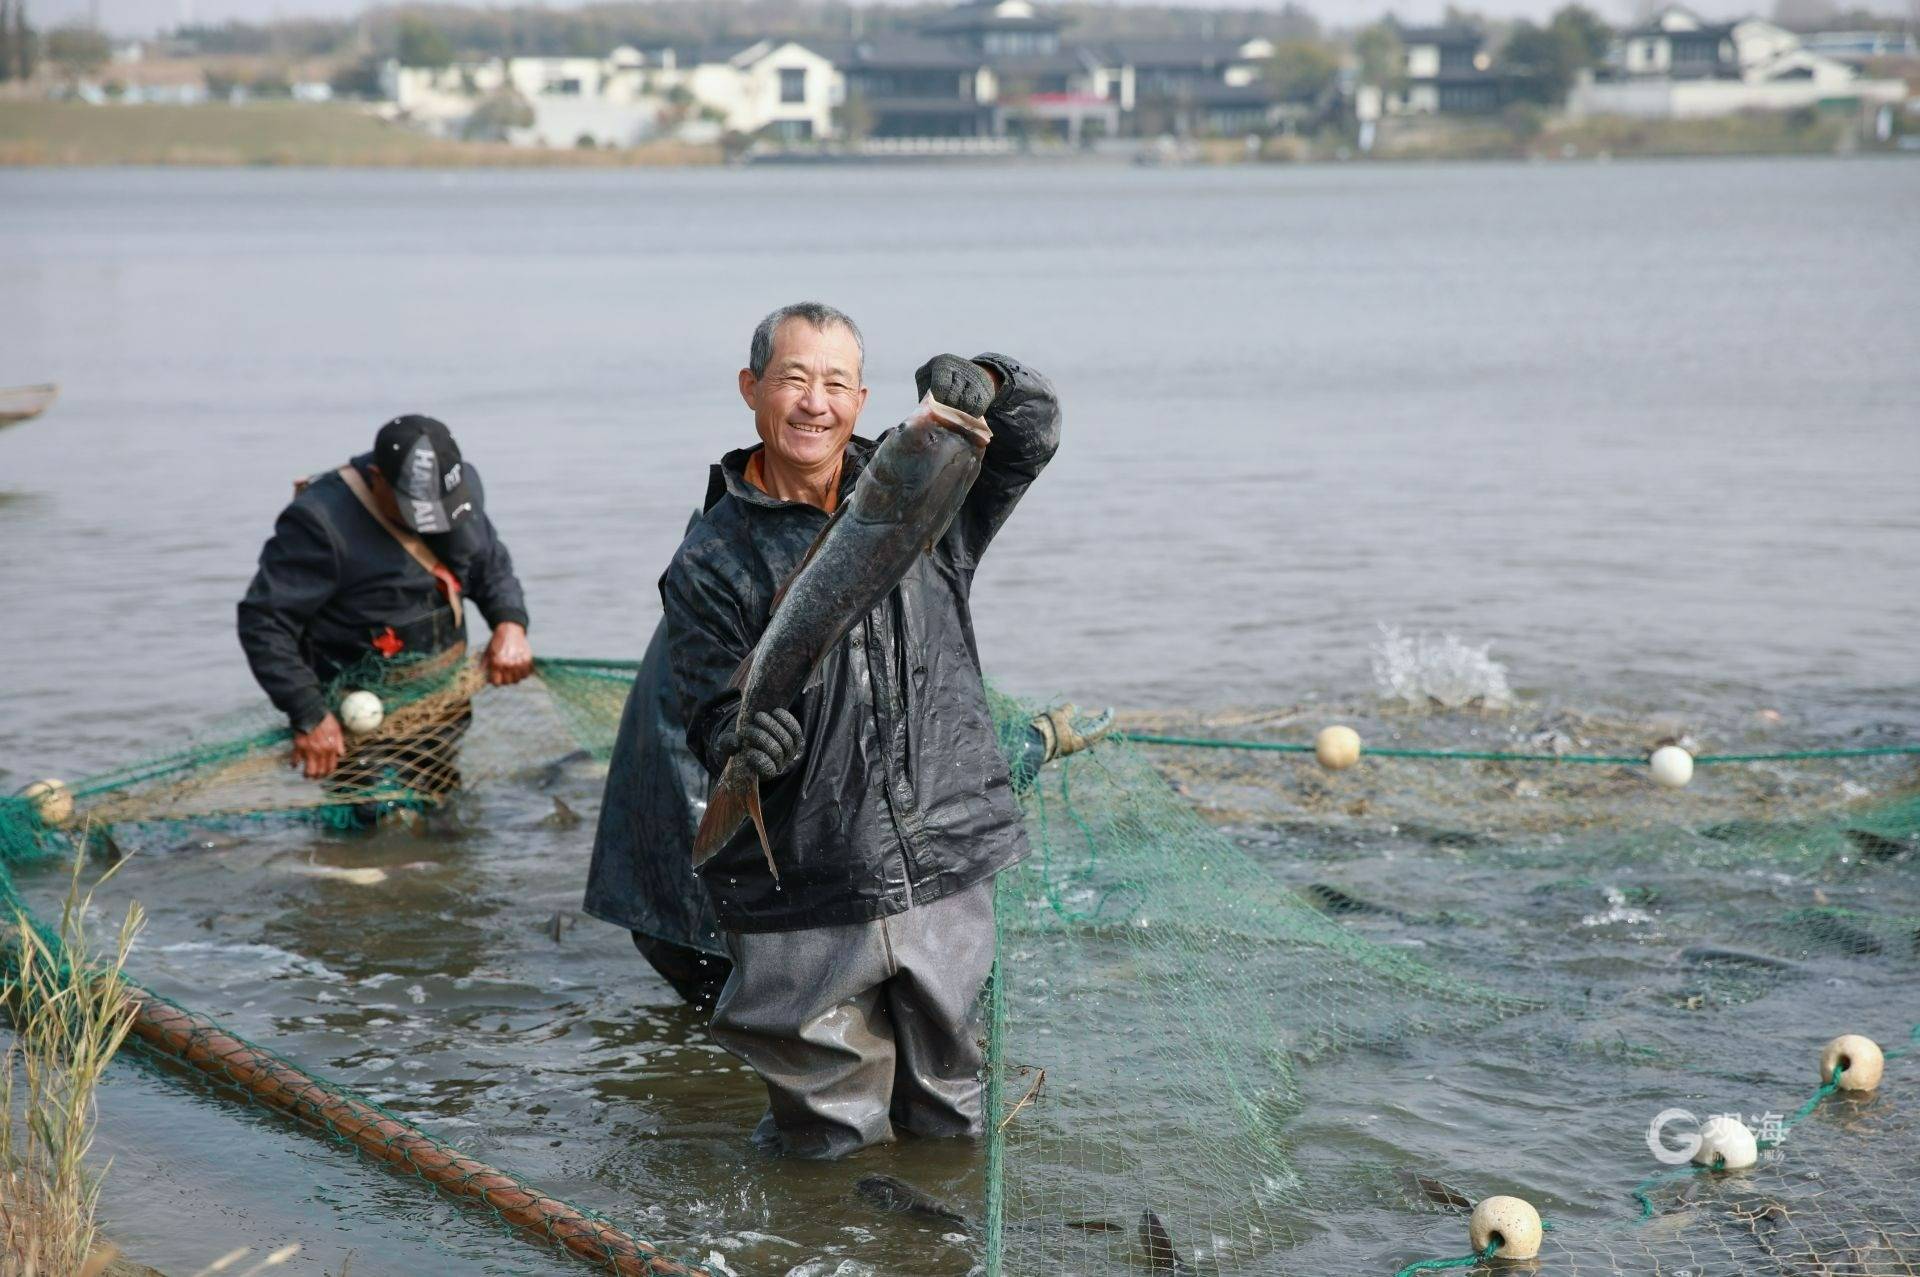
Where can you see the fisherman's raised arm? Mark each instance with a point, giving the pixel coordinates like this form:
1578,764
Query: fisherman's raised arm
1024,416
298,573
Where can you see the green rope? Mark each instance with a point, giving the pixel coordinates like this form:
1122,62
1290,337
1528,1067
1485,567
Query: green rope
1827,1088
1463,1261
1642,1193
1511,756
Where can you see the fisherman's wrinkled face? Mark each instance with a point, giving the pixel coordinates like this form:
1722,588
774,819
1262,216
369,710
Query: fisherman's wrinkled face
807,402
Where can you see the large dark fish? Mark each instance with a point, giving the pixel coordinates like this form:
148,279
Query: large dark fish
1432,1190
902,1198
1335,901
902,504
1703,955
1157,1243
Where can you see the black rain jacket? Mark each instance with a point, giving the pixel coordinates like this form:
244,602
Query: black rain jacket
641,876
903,796
332,580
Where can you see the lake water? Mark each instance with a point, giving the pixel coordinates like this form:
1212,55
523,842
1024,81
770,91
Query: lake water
1649,430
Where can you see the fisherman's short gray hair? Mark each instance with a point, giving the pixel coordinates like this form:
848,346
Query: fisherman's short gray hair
819,314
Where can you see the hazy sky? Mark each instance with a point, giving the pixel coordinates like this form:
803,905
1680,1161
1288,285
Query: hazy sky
144,16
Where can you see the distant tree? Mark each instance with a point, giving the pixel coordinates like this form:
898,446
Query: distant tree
359,79
270,84
422,44
78,50
1531,58
499,111
1383,59
18,43
1543,61
25,43
1585,31
1301,70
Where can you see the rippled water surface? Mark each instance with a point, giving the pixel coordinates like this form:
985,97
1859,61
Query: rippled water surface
1647,429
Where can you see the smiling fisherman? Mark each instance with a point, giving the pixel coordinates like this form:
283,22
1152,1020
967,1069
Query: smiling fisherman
376,559
857,973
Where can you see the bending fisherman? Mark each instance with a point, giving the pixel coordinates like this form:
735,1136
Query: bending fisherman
374,561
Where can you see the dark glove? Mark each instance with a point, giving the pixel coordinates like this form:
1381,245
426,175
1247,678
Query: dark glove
955,382
770,742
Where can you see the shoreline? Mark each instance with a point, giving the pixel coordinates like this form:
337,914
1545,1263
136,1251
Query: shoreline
281,135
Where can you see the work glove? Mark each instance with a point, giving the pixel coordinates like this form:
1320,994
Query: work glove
955,382
770,742
1064,730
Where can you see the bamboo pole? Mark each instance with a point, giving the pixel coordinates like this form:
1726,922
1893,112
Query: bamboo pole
201,1044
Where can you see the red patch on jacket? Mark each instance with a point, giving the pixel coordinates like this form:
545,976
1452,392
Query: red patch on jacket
389,644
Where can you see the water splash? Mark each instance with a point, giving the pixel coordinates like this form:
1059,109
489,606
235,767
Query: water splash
1443,671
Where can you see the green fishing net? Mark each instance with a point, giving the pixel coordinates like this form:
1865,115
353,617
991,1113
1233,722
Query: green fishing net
1252,1016
1305,1035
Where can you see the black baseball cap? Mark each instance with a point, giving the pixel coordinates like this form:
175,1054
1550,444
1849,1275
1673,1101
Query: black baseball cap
422,462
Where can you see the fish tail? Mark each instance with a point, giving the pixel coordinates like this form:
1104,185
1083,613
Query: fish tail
726,808
736,798
760,825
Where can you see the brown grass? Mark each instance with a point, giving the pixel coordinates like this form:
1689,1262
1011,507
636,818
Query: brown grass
275,133
69,1018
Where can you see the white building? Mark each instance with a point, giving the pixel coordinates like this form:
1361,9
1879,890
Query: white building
774,87
1678,66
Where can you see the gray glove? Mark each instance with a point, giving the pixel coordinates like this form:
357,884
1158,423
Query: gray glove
955,382
770,742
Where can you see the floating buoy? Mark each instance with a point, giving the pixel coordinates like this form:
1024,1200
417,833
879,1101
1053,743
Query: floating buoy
52,802
1337,748
1671,766
1726,1144
361,712
1515,1223
1859,1059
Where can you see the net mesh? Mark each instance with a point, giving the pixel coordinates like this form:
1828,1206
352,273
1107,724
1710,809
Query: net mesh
1304,1035
419,755
1251,1016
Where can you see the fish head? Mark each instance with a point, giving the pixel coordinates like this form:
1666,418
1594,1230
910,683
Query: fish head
918,464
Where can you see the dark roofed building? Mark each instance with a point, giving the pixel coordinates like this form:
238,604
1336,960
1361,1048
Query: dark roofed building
1001,68
1448,72
1677,44
998,28
915,86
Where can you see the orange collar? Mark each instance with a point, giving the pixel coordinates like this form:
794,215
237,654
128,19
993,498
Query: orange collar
756,474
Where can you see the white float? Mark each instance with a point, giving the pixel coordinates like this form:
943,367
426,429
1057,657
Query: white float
1859,1059
1671,766
1514,1221
52,802
1337,748
361,712
1726,1144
